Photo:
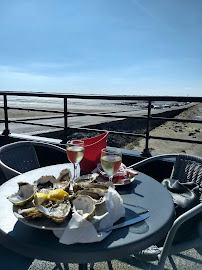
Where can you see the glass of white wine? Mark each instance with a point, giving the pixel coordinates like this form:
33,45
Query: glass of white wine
75,153
111,162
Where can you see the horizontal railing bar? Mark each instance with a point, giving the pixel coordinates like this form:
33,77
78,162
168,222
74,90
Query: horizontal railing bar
111,131
105,97
39,118
107,115
153,118
69,112
78,128
32,110
176,120
72,114
139,117
33,124
174,139
117,132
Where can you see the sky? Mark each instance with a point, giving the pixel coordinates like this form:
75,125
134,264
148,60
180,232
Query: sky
115,47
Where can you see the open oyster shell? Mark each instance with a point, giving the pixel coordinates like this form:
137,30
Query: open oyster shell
46,181
57,212
94,190
84,205
24,195
50,182
32,212
63,181
65,175
84,181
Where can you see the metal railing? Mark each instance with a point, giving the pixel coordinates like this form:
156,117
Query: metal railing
66,114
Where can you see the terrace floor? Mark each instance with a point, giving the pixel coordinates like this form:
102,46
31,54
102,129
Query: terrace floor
188,260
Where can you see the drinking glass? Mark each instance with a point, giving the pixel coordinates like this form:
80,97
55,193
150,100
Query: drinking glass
111,162
75,153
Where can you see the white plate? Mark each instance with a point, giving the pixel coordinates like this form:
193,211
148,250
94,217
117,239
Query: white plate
118,183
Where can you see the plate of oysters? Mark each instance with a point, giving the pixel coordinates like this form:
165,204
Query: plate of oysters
48,203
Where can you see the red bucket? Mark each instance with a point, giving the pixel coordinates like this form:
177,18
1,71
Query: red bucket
92,153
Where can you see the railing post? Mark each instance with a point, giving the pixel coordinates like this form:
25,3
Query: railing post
6,130
146,152
65,121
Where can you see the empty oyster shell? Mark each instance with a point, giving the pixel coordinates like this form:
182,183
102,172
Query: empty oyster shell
46,181
84,205
57,212
24,195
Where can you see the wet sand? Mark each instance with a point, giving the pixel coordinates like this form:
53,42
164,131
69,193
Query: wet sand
175,130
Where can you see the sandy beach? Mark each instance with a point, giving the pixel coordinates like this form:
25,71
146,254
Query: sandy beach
175,130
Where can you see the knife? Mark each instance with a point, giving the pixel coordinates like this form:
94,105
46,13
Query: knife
126,223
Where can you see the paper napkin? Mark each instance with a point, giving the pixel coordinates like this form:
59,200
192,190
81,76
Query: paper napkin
80,230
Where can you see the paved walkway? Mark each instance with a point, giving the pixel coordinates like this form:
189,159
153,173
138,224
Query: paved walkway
188,260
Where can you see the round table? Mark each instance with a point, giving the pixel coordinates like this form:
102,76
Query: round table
143,193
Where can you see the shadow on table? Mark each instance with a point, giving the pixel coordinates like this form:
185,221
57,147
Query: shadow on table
10,260
129,189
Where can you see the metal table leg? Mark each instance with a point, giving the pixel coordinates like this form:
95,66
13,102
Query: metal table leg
83,266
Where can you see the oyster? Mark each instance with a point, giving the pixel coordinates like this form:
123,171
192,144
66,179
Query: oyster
96,195
57,212
84,206
63,181
94,190
24,195
32,212
88,177
84,180
65,175
46,182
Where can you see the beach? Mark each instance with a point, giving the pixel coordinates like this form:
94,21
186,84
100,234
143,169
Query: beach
176,130
167,129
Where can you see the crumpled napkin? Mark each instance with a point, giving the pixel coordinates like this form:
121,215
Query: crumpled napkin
80,230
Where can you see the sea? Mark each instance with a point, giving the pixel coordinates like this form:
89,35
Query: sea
73,104
81,104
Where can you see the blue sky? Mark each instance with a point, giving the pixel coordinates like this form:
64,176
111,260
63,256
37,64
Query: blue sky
130,47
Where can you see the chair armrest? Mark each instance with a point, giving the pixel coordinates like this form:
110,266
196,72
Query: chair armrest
171,234
8,171
151,159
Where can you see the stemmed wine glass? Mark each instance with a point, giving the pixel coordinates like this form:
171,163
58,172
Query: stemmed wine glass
75,153
111,162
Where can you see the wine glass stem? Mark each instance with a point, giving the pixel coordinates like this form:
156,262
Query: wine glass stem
73,178
110,178
75,172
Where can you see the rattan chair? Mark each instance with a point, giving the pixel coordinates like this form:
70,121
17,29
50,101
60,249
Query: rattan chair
19,157
186,168
15,159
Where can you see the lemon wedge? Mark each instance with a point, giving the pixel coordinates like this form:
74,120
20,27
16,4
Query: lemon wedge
40,198
57,194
